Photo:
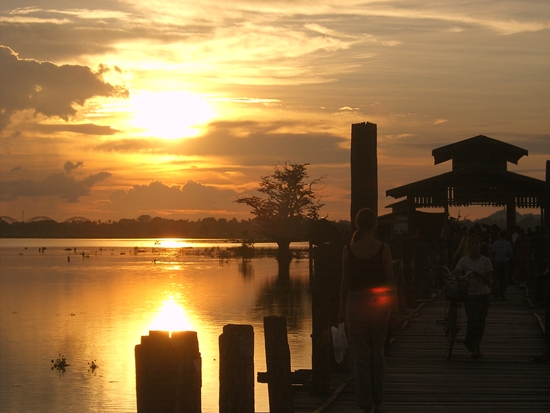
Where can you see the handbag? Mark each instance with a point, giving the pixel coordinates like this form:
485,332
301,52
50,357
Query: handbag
456,289
339,342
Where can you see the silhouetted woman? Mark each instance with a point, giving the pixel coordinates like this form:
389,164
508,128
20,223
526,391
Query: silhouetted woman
477,303
367,301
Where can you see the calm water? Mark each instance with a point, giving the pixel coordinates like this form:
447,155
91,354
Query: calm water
97,305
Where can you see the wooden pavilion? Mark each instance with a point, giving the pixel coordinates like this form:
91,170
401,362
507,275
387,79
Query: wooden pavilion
479,176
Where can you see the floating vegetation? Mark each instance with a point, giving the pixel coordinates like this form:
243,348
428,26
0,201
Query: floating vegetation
60,363
93,366
246,251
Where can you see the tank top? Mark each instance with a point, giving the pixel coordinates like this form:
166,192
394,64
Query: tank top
366,274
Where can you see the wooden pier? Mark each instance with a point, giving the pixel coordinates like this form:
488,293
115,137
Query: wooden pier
419,378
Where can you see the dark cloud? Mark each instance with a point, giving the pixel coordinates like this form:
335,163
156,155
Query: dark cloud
248,143
84,129
536,144
158,196
58,185
87,28
254,143
56,35
69,166
46,88
130,146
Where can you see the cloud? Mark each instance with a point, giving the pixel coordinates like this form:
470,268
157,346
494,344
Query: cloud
258,47
248,100
249,143
57,185
69,166
427,75
60,35
192,196
84,129
46,88
536,144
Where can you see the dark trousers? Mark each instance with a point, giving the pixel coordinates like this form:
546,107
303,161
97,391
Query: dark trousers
367,324
477,307
500,278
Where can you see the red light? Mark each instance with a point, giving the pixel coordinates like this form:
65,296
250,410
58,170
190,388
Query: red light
379,290
382,295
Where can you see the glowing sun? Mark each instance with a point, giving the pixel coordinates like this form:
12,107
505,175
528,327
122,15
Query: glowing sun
171,317
170,115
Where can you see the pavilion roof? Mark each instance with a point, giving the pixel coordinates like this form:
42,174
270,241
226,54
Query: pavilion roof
474,185
481,149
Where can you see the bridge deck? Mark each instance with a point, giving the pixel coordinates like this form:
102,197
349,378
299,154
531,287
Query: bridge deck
419,378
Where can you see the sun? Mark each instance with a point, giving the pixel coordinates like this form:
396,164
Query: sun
170,114
171,316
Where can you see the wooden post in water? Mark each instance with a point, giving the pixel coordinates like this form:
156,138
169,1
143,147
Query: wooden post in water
168,373
325,306
277,355
237,369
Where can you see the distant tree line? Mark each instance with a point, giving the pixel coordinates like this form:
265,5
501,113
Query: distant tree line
144,226
498,219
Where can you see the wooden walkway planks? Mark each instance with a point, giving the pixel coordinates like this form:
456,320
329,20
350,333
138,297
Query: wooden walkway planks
420,379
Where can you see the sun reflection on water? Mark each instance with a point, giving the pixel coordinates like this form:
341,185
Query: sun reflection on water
171,317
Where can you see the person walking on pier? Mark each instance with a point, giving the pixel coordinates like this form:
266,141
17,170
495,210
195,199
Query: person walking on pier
502,252
367,302
477,303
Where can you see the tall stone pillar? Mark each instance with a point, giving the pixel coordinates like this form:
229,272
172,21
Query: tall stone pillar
364,168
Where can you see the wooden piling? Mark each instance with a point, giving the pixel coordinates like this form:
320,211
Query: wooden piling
236,345
325,306
277,354
168,373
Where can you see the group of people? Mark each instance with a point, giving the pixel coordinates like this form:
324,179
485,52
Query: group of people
513,257
517,255
368,296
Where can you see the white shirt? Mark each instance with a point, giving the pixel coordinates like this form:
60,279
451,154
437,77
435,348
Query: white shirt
481,265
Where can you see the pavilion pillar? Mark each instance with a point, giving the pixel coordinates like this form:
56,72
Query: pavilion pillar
446,212
411,210
510,215
364,168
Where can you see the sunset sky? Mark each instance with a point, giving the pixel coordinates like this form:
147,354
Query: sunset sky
115,109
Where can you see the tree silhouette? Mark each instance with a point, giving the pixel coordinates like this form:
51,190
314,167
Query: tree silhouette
290,204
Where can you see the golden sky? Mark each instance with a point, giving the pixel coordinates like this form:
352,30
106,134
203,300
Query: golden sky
115,109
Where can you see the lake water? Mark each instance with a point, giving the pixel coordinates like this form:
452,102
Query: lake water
92,300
